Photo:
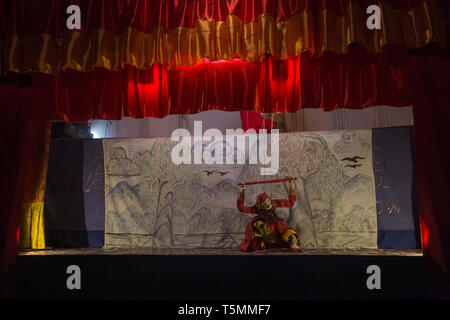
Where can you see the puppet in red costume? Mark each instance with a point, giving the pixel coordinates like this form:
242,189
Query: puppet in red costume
266,230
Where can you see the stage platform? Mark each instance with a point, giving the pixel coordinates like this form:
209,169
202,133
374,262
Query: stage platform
220,274
196,251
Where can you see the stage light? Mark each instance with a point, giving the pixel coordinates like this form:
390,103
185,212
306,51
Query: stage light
95,134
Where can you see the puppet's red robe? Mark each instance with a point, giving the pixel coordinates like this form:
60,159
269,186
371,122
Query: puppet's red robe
251,242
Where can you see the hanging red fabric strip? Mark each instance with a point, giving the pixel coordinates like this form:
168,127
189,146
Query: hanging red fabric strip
355,80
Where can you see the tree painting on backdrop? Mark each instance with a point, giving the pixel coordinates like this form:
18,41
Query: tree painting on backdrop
152,202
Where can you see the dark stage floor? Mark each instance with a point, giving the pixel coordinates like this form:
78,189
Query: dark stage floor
196,251
220,274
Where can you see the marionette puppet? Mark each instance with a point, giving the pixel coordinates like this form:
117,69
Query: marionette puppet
266,230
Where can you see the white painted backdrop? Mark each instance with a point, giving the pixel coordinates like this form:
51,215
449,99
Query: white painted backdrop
304,120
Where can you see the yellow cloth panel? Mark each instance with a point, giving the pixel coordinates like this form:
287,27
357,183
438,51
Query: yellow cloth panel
32,226
315,32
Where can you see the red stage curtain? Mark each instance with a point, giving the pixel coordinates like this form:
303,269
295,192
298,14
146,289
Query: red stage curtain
23,149
173,33
430,81
354,80
10,130
255,120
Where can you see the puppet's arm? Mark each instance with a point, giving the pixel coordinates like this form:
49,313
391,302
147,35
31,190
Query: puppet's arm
282,203
240,202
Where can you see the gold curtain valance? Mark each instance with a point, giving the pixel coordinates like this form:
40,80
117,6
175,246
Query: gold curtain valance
315,32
